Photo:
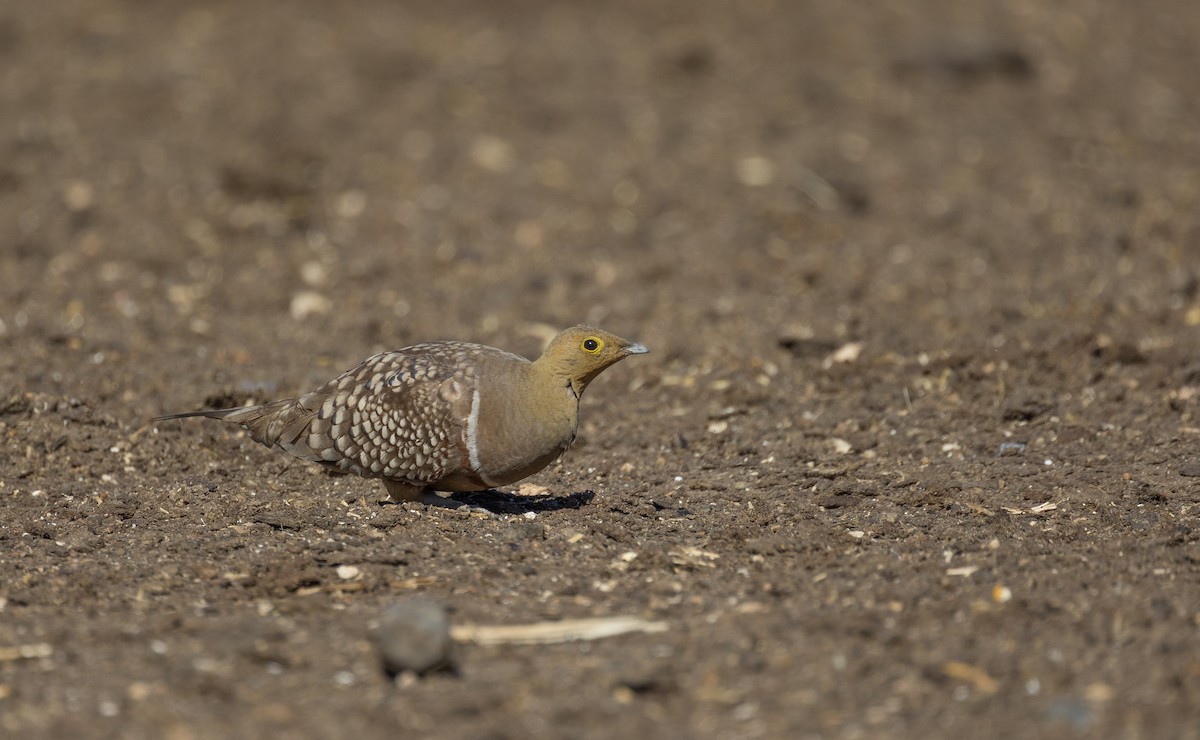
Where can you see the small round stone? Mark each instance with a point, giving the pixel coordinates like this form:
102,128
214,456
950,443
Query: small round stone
414,635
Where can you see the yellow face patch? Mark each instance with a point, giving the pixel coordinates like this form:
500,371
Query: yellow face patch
592,345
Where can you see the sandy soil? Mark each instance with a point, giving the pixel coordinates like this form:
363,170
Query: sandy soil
914,454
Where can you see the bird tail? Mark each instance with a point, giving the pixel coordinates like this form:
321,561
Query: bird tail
209,413
279,423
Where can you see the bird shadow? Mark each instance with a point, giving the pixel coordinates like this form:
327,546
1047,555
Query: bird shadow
500,502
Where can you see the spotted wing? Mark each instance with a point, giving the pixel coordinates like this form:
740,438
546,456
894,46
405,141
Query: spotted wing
398,415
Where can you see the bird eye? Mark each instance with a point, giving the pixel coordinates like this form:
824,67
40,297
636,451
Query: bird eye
591,345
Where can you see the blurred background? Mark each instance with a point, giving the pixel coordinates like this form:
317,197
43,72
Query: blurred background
183,179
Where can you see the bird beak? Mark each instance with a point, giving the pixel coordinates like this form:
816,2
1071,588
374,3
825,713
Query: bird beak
635,349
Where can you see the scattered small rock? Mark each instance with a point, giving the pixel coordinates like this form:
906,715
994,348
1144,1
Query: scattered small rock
79,195
307,303
1071,712
1190,470
414,637
807,347
841,446
847,353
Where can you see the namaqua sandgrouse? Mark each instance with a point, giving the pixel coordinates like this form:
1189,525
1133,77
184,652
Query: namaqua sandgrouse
440,416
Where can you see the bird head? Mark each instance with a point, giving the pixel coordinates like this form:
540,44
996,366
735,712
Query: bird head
577,355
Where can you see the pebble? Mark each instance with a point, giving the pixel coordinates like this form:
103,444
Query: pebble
79,195
414,636
308,303
1190,470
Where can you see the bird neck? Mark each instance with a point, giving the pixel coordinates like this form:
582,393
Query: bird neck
550,404
551,377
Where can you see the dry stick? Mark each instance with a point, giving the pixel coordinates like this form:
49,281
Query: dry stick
566,630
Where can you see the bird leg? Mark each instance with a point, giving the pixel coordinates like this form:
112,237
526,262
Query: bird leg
400,492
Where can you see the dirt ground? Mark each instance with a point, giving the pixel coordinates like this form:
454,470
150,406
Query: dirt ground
914,454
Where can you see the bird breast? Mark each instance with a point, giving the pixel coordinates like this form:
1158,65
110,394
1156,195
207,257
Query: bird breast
514,434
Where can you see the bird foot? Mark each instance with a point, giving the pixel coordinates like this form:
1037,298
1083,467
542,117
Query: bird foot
402,492
444,501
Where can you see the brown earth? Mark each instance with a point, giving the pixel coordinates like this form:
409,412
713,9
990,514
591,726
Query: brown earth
914,455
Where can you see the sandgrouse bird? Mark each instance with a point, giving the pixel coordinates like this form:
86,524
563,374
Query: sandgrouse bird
440,416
